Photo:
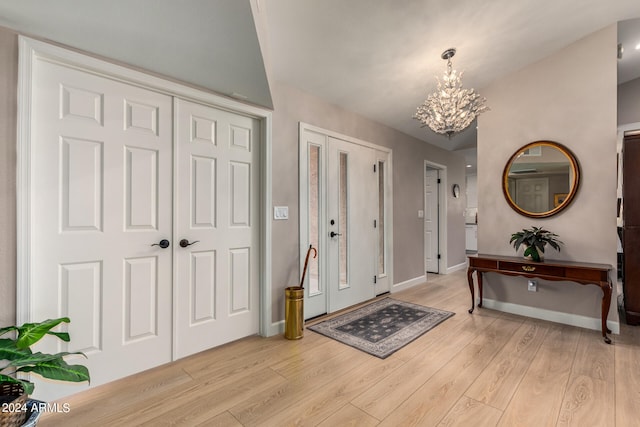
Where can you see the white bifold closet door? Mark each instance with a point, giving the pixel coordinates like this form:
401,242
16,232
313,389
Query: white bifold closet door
117,172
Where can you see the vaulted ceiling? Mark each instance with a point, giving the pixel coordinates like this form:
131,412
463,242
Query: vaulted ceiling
207,43
378,58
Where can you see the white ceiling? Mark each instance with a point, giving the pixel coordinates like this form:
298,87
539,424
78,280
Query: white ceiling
629,38
378,58
207,43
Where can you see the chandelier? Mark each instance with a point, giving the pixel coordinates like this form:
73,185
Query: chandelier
450,109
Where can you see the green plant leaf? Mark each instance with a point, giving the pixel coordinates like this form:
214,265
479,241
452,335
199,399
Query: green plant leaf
59,370
7,329
7,379
38,358
26,385
30,333
517,240
533,253
555,245
9,351
64,336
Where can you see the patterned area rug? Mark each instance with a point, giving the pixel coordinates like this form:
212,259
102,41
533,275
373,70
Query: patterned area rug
383,327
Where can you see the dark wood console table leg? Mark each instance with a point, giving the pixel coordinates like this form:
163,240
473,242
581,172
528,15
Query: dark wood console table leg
479,274
471,288
470,279
606,303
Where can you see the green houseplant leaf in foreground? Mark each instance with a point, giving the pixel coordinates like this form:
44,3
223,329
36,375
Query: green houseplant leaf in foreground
18,356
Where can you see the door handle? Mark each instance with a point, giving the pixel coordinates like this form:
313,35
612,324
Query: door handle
334,234
164,244
184,243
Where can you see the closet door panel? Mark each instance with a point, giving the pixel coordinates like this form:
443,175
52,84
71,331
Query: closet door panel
216,269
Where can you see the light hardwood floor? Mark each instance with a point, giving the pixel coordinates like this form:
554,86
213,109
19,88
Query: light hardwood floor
485,369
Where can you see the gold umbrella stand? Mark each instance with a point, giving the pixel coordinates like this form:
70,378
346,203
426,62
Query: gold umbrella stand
294,305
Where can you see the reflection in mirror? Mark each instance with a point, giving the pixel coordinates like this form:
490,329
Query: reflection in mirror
541,179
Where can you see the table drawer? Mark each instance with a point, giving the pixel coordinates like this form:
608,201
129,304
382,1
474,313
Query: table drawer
541,269
483,263
581,274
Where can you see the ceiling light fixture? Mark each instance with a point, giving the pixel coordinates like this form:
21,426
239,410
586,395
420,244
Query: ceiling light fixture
450,109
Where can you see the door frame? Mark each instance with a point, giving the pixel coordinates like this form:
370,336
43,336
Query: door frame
303,197
442,215
31,50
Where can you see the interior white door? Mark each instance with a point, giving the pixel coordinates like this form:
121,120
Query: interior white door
101,180
431,221
532,194
216,227
351,213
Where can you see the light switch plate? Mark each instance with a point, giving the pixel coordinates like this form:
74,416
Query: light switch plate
281,212
420,213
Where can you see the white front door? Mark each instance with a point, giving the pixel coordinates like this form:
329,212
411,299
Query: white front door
346,214
431,220
352,210
101,177
216,232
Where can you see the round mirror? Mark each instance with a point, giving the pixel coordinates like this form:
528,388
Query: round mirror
541,179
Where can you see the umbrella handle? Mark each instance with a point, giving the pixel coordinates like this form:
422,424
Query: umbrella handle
306,261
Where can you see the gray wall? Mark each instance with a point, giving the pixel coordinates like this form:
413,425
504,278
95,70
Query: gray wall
569,97
8,94
629,102
293,106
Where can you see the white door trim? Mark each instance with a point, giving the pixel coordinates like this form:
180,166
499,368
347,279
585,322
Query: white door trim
442,215
29,51
303,196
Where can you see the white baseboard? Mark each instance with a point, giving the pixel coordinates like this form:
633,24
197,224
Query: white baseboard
408,283
552,316
457,267
276,328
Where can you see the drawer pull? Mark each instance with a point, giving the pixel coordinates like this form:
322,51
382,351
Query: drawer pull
528,268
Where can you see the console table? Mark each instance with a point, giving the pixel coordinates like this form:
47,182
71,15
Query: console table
579,272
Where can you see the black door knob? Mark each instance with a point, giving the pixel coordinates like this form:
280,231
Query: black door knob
184,243
164,244
334,234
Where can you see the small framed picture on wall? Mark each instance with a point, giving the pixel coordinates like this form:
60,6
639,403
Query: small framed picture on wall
559,199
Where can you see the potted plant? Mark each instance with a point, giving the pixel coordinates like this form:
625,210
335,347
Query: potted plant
534,240
16,356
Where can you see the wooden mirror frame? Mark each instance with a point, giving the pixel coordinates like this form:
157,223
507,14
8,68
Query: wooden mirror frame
575,168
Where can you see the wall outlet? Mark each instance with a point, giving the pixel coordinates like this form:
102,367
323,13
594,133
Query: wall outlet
532,286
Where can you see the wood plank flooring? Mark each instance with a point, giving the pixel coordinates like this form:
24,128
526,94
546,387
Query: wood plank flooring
485,369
